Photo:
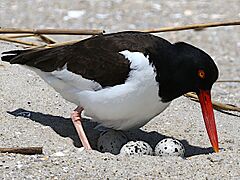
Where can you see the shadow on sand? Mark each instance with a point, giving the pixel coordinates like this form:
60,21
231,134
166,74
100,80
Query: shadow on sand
64,127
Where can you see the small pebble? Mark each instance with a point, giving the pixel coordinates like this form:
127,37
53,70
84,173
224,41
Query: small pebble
169,147
58,154
44,158
111,141
80,150
136,148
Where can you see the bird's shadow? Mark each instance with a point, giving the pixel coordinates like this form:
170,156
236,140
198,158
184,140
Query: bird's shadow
65,128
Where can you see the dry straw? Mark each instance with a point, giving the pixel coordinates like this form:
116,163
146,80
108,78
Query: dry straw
23,150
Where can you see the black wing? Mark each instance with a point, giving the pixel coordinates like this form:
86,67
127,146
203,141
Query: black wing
95,58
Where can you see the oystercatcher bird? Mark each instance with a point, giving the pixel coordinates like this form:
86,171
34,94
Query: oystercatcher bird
123,80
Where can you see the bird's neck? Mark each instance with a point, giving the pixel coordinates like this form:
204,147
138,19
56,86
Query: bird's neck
168,67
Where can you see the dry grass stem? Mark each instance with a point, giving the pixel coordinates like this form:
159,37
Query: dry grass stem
234,81
53,45
216,105
25,150
45,39
4,38
53,31
20,36
193,26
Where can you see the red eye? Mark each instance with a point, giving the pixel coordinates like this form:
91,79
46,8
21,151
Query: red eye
201,74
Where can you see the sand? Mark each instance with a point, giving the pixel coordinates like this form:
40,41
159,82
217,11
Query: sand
49,125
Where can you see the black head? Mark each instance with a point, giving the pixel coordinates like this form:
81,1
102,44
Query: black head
185,69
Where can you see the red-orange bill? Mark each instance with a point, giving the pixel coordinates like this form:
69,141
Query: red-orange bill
208,116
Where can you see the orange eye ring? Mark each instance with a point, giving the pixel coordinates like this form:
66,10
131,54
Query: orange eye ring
201,74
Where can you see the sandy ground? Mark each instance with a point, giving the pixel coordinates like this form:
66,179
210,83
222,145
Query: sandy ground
49,125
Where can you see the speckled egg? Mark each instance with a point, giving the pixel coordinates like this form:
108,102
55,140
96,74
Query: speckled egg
136,148
111,141
169,147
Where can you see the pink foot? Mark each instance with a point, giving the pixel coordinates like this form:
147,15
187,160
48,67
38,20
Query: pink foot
76,119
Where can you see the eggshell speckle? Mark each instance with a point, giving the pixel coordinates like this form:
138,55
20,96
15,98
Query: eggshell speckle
136,148
169,147
111,141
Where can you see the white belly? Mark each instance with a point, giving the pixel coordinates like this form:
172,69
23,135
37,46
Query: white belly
121,110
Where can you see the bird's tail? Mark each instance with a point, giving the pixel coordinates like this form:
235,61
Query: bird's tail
10,56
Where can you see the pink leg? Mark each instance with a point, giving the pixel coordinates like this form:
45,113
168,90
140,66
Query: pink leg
76,119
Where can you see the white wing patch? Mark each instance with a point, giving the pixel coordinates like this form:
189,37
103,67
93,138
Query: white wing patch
67,83
76,80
